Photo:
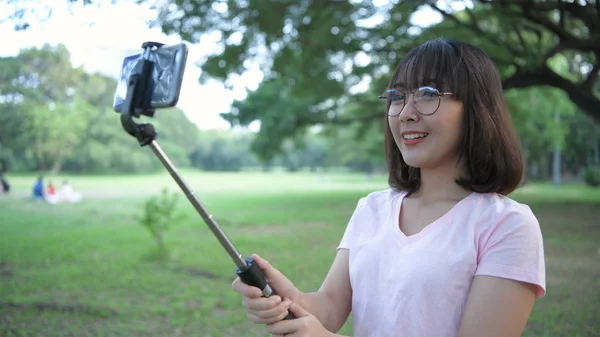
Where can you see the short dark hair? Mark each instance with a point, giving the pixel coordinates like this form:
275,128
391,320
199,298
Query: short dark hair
489,146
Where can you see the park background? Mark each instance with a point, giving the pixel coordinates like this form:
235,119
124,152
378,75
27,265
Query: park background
279,132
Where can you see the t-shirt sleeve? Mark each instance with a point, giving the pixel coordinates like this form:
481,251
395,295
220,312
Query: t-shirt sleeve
514,249
351,232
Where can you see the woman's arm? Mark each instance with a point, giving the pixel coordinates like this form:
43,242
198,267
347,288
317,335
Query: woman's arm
497,307
332,303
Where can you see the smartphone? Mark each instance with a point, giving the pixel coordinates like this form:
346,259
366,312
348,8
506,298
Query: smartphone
167,75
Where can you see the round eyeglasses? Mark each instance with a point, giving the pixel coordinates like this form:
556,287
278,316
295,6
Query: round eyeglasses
425,99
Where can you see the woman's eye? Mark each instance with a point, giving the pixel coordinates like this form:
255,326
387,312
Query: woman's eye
396,98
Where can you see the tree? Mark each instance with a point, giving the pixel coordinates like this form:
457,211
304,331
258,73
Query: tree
55,116
540,31
283,115
333,35
583,142
54,131
306,45
538,113
308,42
35,81
220,150
315,53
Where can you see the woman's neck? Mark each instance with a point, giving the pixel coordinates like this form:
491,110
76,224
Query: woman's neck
439,184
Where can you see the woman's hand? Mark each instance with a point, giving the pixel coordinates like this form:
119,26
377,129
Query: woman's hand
304,325
265,310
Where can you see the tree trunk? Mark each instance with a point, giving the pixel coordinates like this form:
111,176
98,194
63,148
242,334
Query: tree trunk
596,155
162,249
556,166
42,165
57,166
548,166
4,167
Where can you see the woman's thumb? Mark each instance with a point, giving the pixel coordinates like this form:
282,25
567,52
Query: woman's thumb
266,267
297,310
262,263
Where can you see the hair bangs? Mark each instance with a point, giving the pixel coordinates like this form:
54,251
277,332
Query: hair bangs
434,63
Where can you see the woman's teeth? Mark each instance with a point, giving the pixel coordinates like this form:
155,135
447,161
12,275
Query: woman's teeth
415,136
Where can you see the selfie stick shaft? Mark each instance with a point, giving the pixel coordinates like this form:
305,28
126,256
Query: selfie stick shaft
247,269
137,103
191,195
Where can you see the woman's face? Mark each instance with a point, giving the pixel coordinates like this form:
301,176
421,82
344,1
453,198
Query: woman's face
426,126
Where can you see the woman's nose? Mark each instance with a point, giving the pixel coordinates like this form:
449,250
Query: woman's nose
408,110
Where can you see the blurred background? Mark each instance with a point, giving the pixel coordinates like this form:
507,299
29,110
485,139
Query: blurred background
279,131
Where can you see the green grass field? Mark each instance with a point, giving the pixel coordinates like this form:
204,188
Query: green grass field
87,269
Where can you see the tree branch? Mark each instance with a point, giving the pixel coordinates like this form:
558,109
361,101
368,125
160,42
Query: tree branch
474,27
540,76
588,45
584,12
518,29
593,76
562,34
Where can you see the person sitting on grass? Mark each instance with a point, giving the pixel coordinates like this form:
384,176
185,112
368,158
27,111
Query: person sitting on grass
67,194
4,184
38,189
51,195
443,252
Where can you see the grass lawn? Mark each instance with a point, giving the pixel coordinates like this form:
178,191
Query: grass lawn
87,269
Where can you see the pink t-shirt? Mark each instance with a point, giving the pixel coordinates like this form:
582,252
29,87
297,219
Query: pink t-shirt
417,286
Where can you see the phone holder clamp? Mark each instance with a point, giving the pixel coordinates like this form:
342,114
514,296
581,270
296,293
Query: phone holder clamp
137,101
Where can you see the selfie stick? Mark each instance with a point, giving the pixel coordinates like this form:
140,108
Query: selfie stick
138,102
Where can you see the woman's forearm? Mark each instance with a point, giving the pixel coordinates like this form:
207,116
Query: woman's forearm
320,305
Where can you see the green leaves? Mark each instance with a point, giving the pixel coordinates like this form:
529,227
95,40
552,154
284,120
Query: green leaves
54,116
159,216
537,114
55,130
313,55
309,43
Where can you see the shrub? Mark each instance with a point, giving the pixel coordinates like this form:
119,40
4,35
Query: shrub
160,214
591,175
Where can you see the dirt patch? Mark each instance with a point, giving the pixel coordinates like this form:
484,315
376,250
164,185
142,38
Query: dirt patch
219,310
5,269
72,308
245,229
197,272
271,229
278,229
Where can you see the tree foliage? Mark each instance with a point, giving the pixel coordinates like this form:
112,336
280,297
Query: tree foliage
313,45
324,63
331,45
318,52
54,116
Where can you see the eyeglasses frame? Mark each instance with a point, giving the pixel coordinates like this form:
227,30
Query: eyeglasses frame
441,94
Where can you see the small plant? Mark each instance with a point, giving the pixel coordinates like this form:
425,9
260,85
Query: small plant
591,175
160,214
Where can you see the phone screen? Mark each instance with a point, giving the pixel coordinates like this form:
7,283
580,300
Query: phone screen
167,75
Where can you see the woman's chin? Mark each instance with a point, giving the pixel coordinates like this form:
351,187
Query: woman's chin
414,162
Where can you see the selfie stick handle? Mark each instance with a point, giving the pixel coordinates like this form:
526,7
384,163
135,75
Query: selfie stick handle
136,103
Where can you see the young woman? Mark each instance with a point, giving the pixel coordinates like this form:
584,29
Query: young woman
444,252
